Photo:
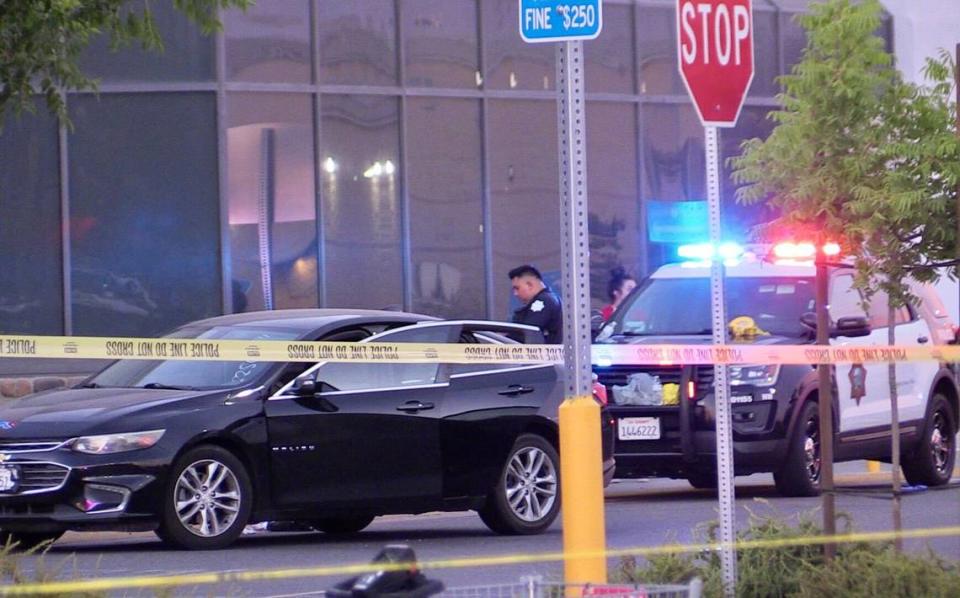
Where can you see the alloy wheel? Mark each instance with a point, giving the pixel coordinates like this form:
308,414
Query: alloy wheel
531,484
207,498
940,442
811,449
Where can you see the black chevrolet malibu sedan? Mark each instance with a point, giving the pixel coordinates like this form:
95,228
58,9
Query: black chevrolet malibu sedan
196,450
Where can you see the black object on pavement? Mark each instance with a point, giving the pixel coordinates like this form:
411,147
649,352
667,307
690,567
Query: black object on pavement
407,582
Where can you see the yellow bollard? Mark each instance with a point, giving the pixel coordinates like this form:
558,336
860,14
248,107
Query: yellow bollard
581,481
873,466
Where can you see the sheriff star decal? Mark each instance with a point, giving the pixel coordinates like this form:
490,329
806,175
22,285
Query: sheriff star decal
537,306
858,382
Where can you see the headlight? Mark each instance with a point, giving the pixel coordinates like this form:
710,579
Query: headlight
115,443
756,375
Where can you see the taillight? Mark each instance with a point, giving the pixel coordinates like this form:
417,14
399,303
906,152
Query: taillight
691,390
600,393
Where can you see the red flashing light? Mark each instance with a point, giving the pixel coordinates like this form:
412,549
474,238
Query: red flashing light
793,251
831,249
805,250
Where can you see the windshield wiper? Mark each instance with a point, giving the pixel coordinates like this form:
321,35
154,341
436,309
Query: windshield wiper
658,333
91,385
161,386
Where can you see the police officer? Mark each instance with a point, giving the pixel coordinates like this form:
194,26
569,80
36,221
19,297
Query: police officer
541,308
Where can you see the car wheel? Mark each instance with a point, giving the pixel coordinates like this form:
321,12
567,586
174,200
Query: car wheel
703,480
342,525
932,462
26,541
526,498
800,474
208,499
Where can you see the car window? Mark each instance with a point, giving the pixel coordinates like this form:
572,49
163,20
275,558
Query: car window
196,374
845,300
878,312
681,306
370,376
482,338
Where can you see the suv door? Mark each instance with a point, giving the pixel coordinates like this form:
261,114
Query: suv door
864,396
369,437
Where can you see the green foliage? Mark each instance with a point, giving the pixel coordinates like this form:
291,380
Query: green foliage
860,155
799,571
41,41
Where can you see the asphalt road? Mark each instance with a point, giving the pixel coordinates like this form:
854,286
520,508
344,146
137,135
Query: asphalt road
638,513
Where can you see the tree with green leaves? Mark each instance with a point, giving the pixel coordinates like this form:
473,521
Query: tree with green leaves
42,40
865,159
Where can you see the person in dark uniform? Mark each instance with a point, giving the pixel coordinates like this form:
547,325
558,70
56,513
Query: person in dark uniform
541,308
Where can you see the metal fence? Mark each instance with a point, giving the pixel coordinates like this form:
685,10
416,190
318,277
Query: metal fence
535,587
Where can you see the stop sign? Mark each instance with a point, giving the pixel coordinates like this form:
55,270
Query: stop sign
715,51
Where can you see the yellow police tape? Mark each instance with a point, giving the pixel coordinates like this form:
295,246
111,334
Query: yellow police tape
95,347
159,581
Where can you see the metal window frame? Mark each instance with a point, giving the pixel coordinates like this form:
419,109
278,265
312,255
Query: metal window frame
221,85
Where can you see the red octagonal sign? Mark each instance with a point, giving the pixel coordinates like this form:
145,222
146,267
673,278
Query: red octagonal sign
715,51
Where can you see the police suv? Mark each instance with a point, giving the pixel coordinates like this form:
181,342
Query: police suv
665,415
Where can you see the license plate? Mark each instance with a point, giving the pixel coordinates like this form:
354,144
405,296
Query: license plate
9,478
638,428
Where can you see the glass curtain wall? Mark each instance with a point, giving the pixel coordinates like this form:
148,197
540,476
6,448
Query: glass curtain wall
368,154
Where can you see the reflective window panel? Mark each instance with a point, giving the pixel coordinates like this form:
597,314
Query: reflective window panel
270,42
446,220
615,239
187,54
272,201
657,50
673,171
739,219
766,59
360,174
358,42
31,284
145,229
440,43
510,62
524,193
611,57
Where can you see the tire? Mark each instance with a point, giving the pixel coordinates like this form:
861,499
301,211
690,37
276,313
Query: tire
931,464
526,498
703,480
800,474
349,524
28,541
208,517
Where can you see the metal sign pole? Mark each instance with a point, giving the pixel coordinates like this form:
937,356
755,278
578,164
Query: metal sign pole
724,431
580,445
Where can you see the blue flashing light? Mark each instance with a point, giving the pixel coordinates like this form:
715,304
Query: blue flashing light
726,251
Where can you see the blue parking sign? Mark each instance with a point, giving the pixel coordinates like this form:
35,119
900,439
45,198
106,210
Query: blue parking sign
560,20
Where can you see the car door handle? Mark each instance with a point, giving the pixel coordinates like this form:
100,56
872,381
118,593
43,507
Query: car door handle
414,406
922,340
515,389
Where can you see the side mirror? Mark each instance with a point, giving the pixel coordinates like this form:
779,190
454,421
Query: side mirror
305,387
851,326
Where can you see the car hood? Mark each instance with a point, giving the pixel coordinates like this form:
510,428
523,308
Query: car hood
69,412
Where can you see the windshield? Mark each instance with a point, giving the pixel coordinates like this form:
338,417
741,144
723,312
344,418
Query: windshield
680,306
194,374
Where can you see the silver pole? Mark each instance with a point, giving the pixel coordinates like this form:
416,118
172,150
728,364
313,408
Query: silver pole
728,556
265,214
575,241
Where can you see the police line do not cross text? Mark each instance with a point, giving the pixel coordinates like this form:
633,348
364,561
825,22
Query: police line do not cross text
560,20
